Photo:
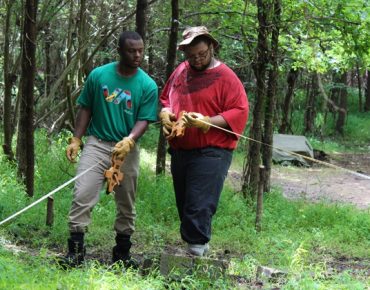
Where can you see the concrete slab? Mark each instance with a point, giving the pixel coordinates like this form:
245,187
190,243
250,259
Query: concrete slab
178,265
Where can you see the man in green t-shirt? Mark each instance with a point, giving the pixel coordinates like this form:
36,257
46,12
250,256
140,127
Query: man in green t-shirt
118,101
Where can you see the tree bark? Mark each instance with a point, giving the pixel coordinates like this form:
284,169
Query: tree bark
310,113
251,170
271,97
9,79
359,86
367,93
69,77
48,40
259,204
171,60
342,113
291,80
26,127
84,68
141,18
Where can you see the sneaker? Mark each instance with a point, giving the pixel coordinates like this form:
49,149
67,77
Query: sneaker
198,249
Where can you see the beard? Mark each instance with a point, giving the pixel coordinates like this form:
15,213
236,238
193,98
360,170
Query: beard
203,67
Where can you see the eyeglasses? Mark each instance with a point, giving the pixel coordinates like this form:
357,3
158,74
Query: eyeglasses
200,55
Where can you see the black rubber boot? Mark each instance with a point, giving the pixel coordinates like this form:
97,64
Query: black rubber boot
76,252
121,252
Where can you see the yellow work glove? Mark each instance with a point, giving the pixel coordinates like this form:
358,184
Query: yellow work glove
197,120
73,148
167,120
123,147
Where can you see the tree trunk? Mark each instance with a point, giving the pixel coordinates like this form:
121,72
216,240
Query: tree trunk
171,59
26,128
149,45
9,79
359,86
334,97
291,80
309,117
342,113
251,170
141,18
84,69
367,93
271,97
48,40
69,77
259,204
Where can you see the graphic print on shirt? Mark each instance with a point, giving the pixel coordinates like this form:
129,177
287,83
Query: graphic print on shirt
106,92
118,96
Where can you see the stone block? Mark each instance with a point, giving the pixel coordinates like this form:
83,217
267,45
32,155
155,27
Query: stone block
177,265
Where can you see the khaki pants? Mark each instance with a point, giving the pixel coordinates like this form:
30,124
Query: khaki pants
88,187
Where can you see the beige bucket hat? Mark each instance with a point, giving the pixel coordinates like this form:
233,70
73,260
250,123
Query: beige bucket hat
192,32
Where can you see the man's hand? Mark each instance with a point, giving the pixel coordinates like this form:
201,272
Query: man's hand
73,148
197,120
167,121
178,128
123,147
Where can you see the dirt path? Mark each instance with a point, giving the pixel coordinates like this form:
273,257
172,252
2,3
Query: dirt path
323,183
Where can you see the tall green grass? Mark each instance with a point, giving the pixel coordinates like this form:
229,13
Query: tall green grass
297,236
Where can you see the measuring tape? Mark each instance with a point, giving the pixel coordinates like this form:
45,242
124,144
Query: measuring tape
364,176
50,193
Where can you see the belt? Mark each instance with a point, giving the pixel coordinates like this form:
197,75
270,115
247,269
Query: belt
111,143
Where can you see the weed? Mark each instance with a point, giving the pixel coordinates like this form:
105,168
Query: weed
296,235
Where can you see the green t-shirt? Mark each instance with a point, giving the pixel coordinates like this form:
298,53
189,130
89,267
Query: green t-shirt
117,102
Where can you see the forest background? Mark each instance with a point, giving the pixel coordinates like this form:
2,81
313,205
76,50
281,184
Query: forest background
305,66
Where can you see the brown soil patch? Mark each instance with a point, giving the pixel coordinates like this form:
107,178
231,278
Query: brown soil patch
320,183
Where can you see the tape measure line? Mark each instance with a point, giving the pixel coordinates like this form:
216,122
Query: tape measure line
50,193
293,153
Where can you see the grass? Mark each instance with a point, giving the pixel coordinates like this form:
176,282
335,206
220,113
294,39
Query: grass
298,237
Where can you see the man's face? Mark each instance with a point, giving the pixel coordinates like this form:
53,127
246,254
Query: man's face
199,56
132,53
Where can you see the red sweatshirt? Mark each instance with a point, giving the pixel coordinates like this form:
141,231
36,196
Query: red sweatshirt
216,91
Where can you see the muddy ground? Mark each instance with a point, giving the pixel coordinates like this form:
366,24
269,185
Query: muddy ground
319,182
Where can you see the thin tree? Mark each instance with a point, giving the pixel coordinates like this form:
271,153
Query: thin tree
141,18
310,112
271,97
251,169
25,146
359,86
367,92
82,32
70,76
342,113
9,79
285,126
171,60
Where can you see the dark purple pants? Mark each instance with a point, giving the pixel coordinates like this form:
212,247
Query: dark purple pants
198,177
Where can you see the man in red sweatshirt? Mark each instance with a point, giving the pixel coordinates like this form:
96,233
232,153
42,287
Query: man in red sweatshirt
211,95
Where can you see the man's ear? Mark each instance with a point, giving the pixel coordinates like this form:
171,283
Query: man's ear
211,49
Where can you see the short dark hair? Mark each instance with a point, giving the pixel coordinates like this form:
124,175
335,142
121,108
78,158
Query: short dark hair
127,35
